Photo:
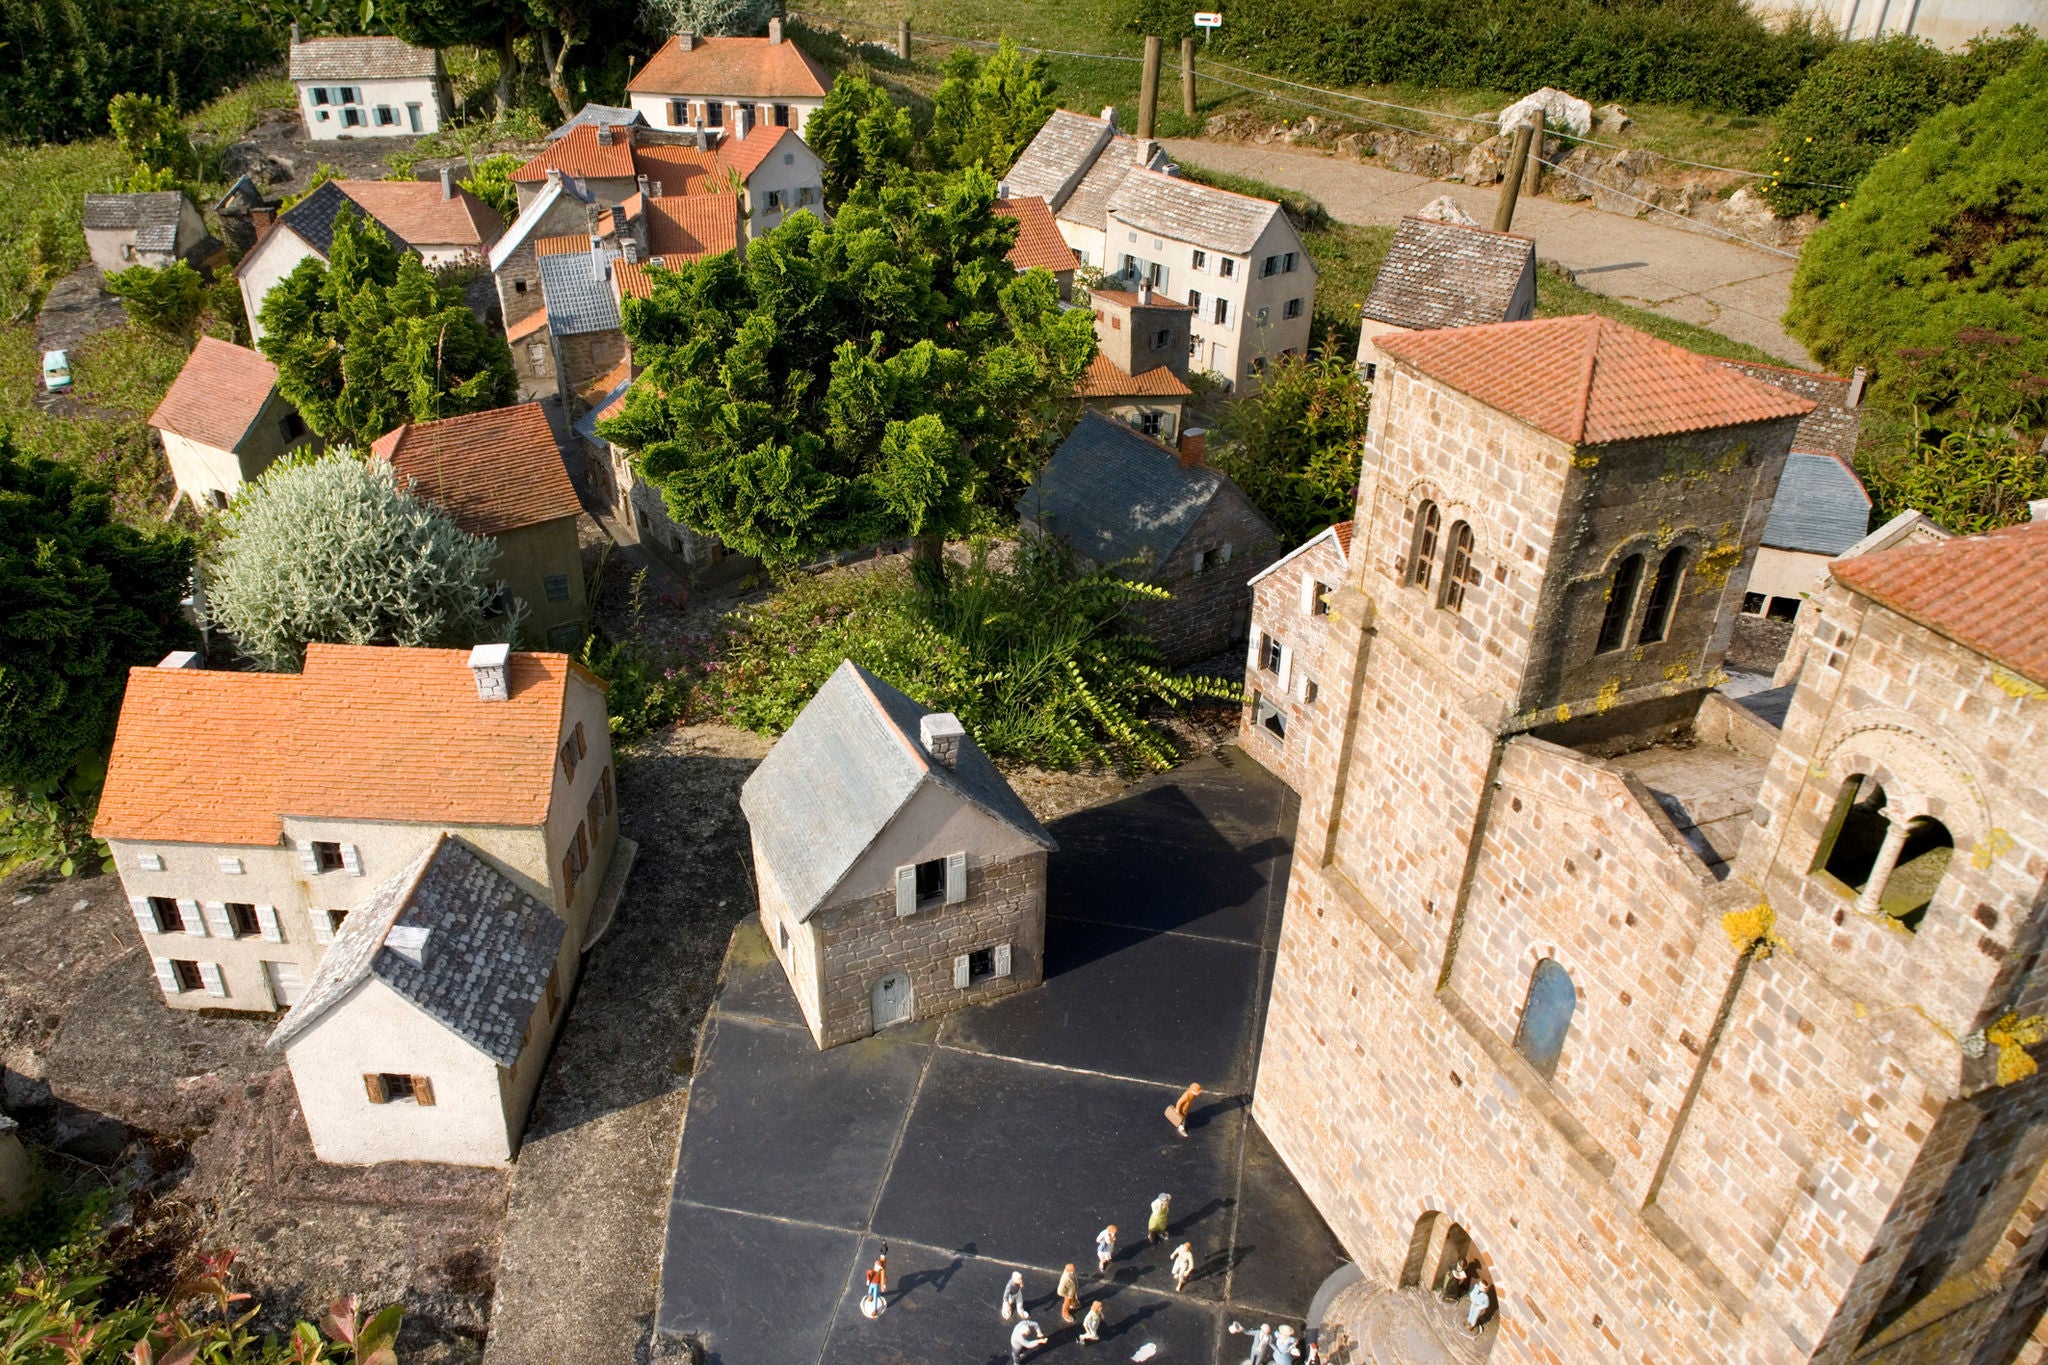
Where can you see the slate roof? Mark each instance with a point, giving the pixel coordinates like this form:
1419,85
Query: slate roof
1338,534
590,115
579,293
492,471
360,59
1088,205
1052,164
731,66
1986,592
153,217
1115,495
1039,244
489,950
1449,275
1820,508
312,218
839,775
209,757
218,395
1104,378
1153,201
1588,380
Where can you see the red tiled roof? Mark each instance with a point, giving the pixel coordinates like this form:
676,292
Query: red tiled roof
1039,244
415,210
675,169
218,395
492,471
528,325
1105,379
746,154
1129,299
1588,380
591,391
630,280
746,67
564,245
1343,530
579,152
366,732
686,227
1986,592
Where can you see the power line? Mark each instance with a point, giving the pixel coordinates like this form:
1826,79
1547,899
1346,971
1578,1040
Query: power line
1659,208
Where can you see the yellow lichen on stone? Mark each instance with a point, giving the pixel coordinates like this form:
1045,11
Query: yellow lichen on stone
1994,843
1677,672
1564,712
1750,930
1610,695
2012,684
2012,1036
1718,562
1581,460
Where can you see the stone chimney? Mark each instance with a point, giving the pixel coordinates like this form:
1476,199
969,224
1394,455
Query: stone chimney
295,35
447,182
1193,442
775,29
409,941
262,218
1857,378
492,667
703,140
1109,116
940,733
181,658
641,181
629,248
604,134
686,41
744,119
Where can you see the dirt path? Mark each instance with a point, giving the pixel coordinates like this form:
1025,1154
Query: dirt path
1739,291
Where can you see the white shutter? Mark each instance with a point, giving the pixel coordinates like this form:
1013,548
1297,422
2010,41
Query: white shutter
1308,596
266,917
218,921
231,866
1002,959
962,973
209,972
309,861
166,974
323,926
956,878
195,924
1286,666
351,861
906,890
150,862
1251,658
145,918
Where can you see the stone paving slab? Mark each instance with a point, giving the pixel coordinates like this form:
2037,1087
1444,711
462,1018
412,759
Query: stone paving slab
759,1290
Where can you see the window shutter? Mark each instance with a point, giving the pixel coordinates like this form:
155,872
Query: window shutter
423,1092
145,918
962,973
209,972
906,890
1286,666
373,1086
1002,959
323,927
956,878
351,861
231,866
309,862
188,912
1251,659
166,974
1308,596
150,862
581,747
217,920
266,917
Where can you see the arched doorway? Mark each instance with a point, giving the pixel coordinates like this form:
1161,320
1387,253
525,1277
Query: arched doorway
1439,1296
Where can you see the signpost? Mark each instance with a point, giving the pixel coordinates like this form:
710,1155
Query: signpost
1208,19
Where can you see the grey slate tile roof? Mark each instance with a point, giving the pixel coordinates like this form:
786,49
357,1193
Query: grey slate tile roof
838,776
599,115
1449,275
1114,494
359,59
1833,426
1055,160
1216,219
1089,202
313,218
489,950
1820,508
578,292
152,216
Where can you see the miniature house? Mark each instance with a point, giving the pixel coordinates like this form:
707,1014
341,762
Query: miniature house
1283,673
899,875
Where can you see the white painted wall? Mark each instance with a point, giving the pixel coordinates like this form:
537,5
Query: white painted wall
269,261
393,94
658,110
790,168
932,824
1088,241
1786,573
802,959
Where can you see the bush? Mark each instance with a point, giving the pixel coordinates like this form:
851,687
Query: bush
1295,446
169,299
490,180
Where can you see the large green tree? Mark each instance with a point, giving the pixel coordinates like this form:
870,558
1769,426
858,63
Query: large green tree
82,598
861,134
1295,446
986,111
871,378
371,339
494,24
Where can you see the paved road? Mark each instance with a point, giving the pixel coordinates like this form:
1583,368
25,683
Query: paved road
1736,290
1001,1137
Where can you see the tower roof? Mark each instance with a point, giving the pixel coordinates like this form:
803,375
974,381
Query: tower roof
1986,592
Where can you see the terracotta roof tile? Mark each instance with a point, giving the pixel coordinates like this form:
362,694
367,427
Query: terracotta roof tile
1343,530
581,152
415,210
631,280
1039,244
1986,592
563,245
1105,379
595,391
364,733
492,471
1129,299
1588,380
746,154
676,169
747,67
218,395
686,227
535,321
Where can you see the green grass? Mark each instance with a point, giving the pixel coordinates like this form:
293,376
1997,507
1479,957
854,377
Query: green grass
44,189
239,110
119,376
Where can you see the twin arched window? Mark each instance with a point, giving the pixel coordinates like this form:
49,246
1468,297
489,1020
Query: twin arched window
1663,596
1621,604
1450,592
1426,540
1422,548
1624,586
1891,867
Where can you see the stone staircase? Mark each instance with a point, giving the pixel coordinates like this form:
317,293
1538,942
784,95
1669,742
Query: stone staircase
1402,1327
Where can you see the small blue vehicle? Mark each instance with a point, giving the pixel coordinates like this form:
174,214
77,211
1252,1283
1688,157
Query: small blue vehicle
56,372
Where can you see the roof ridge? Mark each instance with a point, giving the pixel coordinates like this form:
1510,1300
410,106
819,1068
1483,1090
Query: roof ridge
1584,406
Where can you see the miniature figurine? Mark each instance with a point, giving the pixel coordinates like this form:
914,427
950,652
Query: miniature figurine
1481,1301
1091,1324
1068,1290
1025,1336
1457,1282
1105,1248
1162,1209
874,1301
1183,1264
1262,1343
1177,1112
1013,1296
1285,1349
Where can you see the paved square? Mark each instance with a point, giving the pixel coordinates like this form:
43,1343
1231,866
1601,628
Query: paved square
1000,1138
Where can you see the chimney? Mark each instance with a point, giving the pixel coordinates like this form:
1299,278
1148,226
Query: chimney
295,35
554,175
263,218
1002,189
775,29
697,127
447,182
687,42
940,733
181,658
1192,442
1144,295
629,248
2037,510
1857,378
409,941
641,181
604,135
1109,116
492,667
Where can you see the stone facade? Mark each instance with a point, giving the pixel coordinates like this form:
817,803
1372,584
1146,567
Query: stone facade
1284,669
1766,1155
1211,605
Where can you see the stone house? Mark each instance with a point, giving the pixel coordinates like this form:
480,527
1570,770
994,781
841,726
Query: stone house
1139,373
899,876
500,474
1820,511
586,335
1074,163
693,554
222,422
728,86
1039,245
1116,496
153,229
367,87
424,1031
1283,673
240,873
1684,1017
560,208
1445,274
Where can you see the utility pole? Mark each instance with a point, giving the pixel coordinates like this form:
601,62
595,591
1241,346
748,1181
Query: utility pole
1187,76
1148,93
1518,161
903,39
1536,153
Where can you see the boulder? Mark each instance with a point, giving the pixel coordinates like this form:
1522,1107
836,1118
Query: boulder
1612,118
1485,165
1560,112
1587,166
1444,209
1418,156
1623,185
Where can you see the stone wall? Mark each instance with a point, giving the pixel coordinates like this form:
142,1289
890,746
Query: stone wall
1211,606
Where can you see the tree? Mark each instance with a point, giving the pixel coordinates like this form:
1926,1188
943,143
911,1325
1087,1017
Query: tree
1946,237
169,299
560,26
850,383
82,599
742,17
492,24
986,112
372,339
490,179
330,548
861,134
149,132
1295,446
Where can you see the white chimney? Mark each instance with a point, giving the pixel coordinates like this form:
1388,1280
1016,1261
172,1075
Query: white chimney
1857,378
640,181
409,941
180,658
447,182
1002,189
657,189
940,733
295,35
775,29
1144,295
492,665
2037,510
1109,116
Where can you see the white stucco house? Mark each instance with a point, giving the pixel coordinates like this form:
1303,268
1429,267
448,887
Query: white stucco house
367,87
152,229
1074,163
223,422
728,86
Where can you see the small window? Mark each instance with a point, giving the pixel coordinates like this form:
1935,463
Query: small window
1268,717
1289,262
412,115
390,1087
386,116
981,966
519,286
319,94
577,737
714,115
537,355
1269,653
188,975
327,856
1200,260
1318,599
1752,604
569,756
551,992
1226,267
594,809
1194,346
164,911
789,158
351,94
1161,339
1258,364
351,118
1923,861
1269,266
781,116
1372,371
782,934
320,115
604,782
931,882
678,113
1149,423
1855,833
556,586
242,920
1783,609
1422,545
1621,604
1663,596
774,201
1310,690
1450,593
1264,314
1546,1017
1292,310
806,195
335,919
291,426
1195,302
127,251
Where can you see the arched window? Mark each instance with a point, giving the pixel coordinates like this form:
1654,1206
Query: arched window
1663,596
1422,550
1450,591
1547,1016
1855,833
1621,603
1923,860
